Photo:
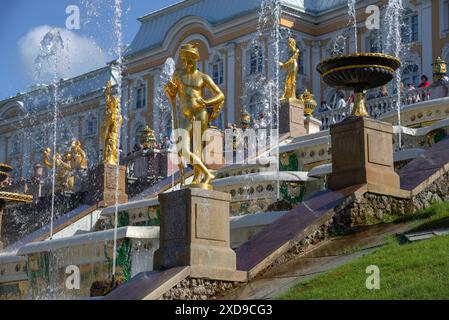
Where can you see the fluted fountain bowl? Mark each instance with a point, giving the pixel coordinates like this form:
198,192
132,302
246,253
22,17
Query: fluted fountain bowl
359,71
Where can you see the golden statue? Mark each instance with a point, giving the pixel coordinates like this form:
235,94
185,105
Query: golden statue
79,158
63,177
148,140
188,84
110,128
291,67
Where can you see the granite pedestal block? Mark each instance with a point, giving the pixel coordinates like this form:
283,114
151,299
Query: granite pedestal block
362,153
195,231
312,125
291,118
101,185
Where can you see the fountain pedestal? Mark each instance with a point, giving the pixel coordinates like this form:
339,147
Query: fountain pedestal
195,232
291,118
101,185
362,153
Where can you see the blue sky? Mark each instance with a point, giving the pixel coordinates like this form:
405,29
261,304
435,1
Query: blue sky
22,22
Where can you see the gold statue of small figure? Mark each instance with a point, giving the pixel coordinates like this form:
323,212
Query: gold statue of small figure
63,178
79,158
188,83
110,127
291,67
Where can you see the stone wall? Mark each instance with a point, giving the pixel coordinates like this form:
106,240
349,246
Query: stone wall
198,289
372,208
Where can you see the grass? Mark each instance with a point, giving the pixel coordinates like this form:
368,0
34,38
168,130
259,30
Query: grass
417,270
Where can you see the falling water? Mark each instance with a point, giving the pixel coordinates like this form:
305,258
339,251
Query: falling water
51,53
352,13
119,53
394,46
268,88
163,103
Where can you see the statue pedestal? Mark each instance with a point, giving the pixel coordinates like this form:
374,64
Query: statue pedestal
362,153
101,185
195,232
312,125
291,118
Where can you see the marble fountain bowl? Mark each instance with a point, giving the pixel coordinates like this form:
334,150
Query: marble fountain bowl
359,71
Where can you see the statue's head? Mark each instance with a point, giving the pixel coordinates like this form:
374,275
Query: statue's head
189,55
47,150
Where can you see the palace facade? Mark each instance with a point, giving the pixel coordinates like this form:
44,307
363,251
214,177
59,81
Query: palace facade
223,31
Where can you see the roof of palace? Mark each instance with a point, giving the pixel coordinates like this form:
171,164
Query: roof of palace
156,25
69,90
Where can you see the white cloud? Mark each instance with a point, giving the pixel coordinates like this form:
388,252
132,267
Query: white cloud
48,52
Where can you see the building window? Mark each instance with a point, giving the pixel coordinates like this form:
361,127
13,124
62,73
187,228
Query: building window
410,74
39,140
255,60
410,28
375,42
255,106
138,133
91,125
140,97
218,72
16,145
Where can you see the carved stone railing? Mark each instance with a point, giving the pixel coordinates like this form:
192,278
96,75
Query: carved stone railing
378,106
150,165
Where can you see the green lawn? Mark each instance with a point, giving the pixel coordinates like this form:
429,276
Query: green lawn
418,270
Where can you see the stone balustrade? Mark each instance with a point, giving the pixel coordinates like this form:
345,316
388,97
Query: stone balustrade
377,107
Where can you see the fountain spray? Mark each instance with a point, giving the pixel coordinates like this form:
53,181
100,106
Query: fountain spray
394,46
353,20
119,63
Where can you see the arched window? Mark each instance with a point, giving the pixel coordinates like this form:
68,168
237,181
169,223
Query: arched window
140,96
16,145
410,73
217,70
138,133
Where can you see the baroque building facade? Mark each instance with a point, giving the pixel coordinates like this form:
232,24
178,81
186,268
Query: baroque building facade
223,34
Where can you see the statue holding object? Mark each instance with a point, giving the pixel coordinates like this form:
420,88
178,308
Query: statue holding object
188,83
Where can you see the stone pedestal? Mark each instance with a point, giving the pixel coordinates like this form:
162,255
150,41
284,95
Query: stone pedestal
195,232
101,185
213,154
362,153
291,118
312,125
